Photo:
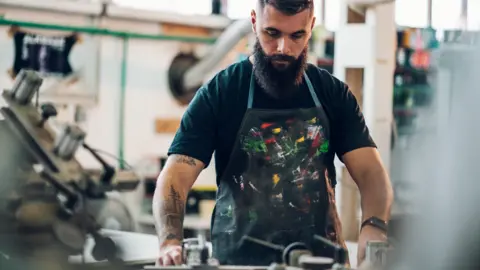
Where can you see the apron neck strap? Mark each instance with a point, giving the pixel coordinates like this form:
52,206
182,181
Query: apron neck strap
251,91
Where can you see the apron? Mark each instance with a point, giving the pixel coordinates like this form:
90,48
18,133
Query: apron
275,186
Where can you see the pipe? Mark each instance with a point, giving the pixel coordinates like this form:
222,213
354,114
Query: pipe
195,75
429,13
104,31
121,118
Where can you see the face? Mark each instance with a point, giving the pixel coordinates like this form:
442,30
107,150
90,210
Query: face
281,49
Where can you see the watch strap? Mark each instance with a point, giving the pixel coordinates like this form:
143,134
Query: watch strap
377,223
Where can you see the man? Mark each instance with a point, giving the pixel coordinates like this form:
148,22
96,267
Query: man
275,124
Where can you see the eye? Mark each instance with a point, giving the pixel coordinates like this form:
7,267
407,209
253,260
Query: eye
297,35
273,33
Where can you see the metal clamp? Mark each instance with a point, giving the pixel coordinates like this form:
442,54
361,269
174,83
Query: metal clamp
196,251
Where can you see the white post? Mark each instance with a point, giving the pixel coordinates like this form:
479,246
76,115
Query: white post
365,47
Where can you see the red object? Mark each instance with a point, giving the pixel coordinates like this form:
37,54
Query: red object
266,125
271,140
420,59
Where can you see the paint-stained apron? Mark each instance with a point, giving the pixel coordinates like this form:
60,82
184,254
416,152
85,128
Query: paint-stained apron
276,185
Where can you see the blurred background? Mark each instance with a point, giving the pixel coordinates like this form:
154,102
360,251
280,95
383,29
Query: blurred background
117,69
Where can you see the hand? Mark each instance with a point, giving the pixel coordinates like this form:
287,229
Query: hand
368,233
170,255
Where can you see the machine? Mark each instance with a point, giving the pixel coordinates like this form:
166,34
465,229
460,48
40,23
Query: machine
295,256
44,190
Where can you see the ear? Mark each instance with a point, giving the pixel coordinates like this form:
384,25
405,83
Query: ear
313,22
253,18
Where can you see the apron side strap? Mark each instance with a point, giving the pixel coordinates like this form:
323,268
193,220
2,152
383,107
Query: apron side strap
251,91
312,91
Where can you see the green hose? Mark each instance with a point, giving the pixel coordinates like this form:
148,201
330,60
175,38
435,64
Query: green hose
104,31
123,93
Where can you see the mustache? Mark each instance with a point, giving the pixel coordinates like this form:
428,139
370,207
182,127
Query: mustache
281,57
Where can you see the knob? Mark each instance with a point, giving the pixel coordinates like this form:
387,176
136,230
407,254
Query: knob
48,110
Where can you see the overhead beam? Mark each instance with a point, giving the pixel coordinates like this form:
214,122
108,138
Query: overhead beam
118,12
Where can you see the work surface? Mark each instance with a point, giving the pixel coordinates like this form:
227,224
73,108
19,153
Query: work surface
138,248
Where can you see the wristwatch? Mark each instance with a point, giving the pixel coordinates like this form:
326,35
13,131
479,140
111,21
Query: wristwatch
377,223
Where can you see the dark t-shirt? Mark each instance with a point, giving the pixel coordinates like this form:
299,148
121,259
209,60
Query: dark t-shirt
212,120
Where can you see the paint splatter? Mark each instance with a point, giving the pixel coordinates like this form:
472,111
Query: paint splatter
252,216
290,150
228,212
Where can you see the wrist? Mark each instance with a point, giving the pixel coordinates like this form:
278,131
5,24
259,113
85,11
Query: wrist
376,223
170,239
168,243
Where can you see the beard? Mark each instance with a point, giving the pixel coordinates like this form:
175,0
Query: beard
280,81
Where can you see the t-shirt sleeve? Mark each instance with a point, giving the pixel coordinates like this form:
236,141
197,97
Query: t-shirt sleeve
349,130
196,135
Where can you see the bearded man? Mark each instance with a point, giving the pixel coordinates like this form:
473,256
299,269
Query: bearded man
275,124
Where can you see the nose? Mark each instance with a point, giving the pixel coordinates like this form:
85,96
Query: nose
282,46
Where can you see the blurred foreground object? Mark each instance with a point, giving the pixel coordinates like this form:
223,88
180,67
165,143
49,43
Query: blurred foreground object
44,191
444,235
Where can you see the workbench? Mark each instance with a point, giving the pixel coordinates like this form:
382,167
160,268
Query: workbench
137,248
142,249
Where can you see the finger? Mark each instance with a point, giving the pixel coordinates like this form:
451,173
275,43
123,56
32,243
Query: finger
167,260
159,262
176,257
360,256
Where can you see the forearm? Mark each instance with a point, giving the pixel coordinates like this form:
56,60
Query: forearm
169,209
376,194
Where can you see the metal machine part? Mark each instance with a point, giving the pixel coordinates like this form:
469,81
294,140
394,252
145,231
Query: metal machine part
376,253
197,251
340,253
68,142
298,254
25,87
44,189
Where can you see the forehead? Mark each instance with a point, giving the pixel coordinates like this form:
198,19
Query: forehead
270,17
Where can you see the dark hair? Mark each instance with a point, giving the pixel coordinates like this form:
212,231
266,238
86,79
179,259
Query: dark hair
288,7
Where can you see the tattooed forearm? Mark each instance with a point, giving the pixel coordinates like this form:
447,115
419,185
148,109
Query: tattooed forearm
173,185
169,212
185,159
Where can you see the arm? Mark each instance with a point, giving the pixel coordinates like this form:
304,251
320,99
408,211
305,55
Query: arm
173,185
357,150
189,153
366,169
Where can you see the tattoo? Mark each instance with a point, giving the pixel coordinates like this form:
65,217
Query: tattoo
186,160
172,236
171,216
